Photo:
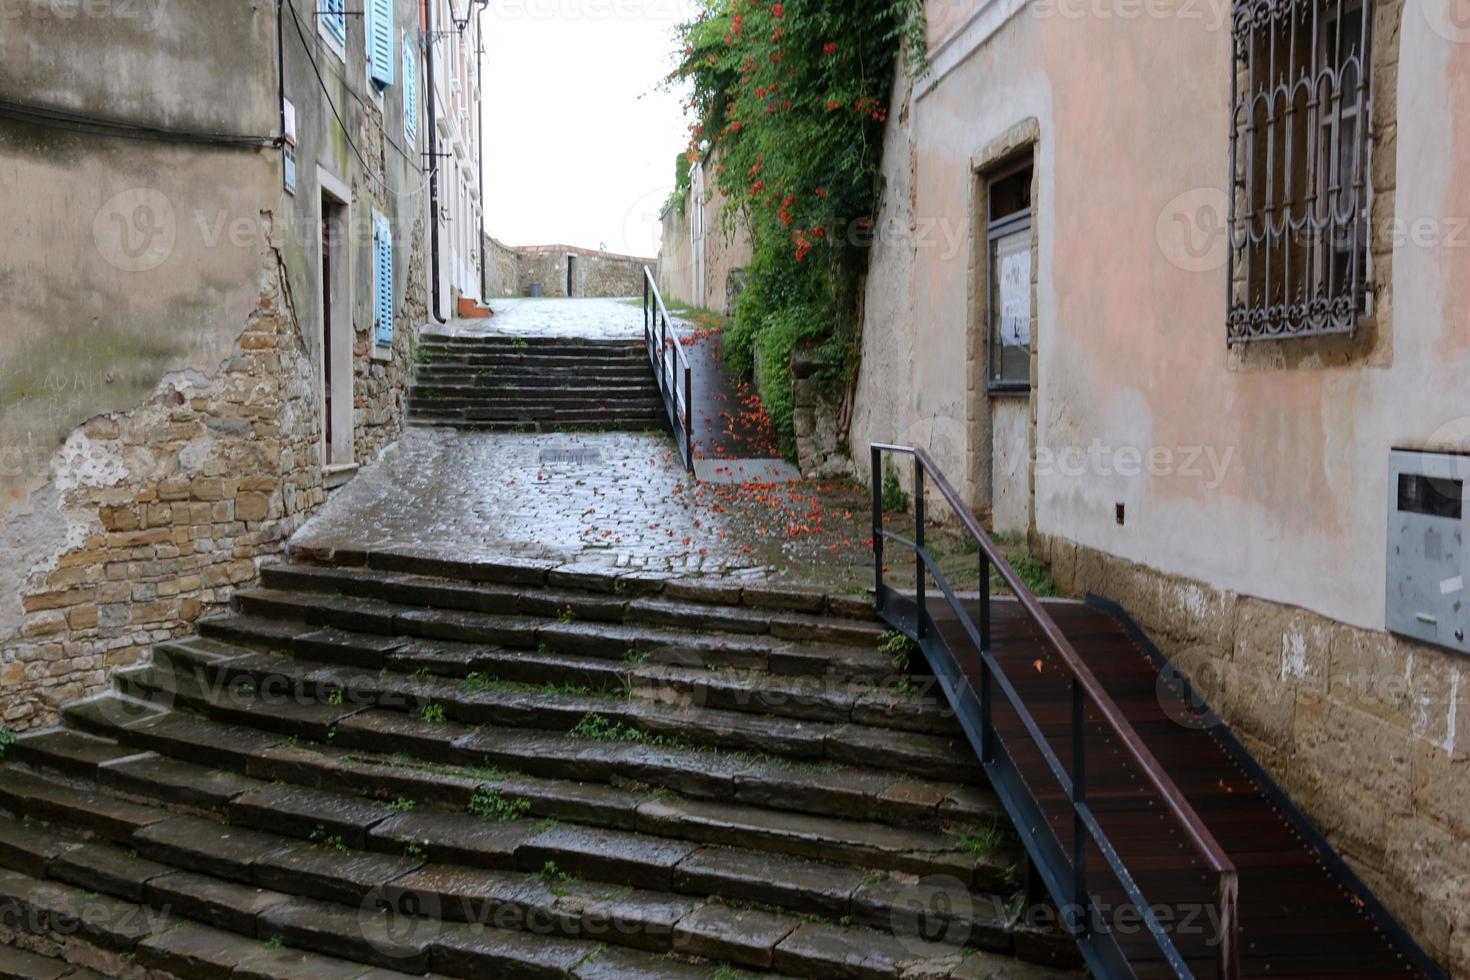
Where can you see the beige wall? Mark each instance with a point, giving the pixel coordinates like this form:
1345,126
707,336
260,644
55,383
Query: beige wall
722,245
1270,473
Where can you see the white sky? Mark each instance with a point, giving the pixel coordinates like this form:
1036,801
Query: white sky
579,143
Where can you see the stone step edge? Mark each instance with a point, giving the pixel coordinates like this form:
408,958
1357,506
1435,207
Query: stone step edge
222,949
905,752
947,800
893,703
511,570
56,928
772,840
880,911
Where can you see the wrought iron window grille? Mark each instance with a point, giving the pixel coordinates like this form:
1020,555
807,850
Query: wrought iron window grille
1299,158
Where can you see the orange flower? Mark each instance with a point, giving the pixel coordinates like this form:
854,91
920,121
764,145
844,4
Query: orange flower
829,48
778,11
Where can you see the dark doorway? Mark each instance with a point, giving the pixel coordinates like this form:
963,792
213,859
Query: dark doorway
571,274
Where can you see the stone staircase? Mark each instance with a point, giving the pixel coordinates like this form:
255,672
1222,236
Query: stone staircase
381,765
535,384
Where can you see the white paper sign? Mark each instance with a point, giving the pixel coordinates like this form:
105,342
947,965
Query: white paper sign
1015,298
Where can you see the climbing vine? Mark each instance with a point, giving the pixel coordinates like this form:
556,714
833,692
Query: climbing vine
789,101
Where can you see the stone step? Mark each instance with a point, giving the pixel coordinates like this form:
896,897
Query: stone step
596,595
597,579
191,926
290,697
611,425
536,872
564,379
649,415
468,396
570,402
576,779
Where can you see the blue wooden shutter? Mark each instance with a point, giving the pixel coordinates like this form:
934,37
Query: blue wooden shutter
334,19
382,281
410,92
380,40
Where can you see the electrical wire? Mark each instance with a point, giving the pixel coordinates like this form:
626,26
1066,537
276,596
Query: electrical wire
77,122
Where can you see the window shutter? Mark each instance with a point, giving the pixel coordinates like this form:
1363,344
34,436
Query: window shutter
380,40
410,92
334,19
382,281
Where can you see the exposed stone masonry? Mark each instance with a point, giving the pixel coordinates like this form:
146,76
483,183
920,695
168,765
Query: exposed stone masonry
172,505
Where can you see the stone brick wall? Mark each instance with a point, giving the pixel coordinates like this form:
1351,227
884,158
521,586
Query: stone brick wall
502,269
512,271
167,507
1368,732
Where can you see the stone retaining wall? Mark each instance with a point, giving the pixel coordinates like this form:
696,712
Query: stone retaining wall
512,271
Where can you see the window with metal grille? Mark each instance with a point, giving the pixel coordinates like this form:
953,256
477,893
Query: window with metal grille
1299,149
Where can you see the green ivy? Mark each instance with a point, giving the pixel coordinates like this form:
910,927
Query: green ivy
794,97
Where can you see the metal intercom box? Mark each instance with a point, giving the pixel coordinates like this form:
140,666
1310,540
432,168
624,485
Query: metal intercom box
1428,562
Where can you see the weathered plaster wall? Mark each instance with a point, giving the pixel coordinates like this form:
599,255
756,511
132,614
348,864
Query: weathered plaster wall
676,257
161,348
1254,487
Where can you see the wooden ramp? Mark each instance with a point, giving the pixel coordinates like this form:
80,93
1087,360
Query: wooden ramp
1163,844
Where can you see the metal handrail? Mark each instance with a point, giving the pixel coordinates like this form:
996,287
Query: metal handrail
670,365
1085,687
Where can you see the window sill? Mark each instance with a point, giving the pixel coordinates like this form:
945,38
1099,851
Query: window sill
382,352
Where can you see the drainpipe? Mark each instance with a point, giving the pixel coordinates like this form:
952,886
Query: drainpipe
433,164
281,63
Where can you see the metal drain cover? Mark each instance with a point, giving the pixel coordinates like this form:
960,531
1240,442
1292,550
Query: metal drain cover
580,457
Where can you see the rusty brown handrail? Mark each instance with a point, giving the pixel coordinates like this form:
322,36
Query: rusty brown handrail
1083,678
660,338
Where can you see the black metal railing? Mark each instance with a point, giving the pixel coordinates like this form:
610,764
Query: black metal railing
671,366
1062,867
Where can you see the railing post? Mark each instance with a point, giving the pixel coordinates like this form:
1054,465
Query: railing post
921,571
663,357
1081,901
987,735
689,416
877,480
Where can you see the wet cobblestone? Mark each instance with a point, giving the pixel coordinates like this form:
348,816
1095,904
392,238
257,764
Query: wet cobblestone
614,499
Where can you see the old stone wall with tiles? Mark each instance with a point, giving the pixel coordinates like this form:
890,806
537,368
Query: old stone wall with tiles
1368,732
